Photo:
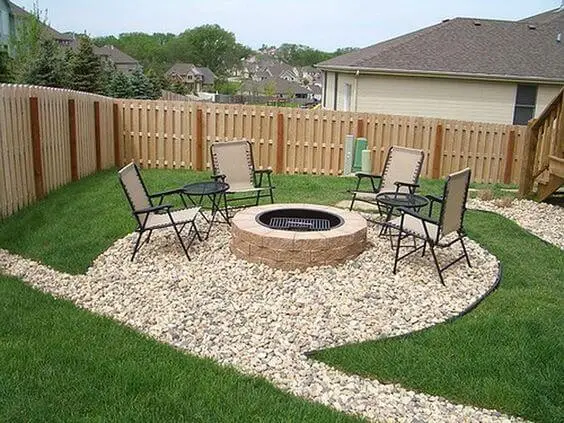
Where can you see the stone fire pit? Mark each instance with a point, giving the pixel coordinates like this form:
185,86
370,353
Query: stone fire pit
297,247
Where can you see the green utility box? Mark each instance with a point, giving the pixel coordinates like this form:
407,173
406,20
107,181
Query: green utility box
360,144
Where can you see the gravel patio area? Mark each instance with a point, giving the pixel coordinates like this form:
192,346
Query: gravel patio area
541,219
263,321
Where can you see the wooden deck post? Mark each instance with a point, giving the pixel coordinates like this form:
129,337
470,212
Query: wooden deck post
117,138
97,139
36,147
199,139
437,152
528,159
509,155
280,143
72,139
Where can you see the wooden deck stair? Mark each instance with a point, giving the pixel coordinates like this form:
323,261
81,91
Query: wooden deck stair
543,153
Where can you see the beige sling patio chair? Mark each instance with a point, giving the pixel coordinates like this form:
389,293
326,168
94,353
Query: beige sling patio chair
400,174
432,231
233,164
150,217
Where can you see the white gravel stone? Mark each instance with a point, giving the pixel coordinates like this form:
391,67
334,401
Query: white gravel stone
263,321
541,219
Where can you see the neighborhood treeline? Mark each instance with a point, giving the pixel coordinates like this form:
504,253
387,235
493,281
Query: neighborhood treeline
38,59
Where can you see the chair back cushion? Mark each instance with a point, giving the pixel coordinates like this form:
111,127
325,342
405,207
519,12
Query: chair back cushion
234,159
134,188
454,203
402,165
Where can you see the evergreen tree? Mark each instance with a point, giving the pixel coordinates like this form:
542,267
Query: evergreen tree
107,74
120,86
66,75
85,67
158,83
141,87
25,43
47,68
5,75
178,88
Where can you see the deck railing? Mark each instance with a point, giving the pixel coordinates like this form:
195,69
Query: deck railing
544,138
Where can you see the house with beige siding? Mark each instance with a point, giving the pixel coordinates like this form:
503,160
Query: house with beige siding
463,68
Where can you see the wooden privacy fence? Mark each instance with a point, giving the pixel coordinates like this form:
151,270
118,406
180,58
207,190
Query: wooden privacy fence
169,134
49,137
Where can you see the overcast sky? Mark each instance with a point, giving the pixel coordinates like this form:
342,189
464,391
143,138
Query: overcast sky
323,24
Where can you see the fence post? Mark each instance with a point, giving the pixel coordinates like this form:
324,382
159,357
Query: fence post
36,147
72,139
437,152
528,159
199,140
97,136
117,150
280,143
509,153
360,128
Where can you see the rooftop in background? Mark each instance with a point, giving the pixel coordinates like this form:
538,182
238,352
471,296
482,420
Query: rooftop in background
123,61
182,69
20,12
529,48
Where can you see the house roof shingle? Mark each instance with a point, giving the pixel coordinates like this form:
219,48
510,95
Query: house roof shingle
469,46
20,12
183,68
115,55
281,86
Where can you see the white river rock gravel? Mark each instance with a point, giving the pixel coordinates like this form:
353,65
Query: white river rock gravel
262,321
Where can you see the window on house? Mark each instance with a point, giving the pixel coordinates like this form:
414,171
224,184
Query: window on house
525,103
348,98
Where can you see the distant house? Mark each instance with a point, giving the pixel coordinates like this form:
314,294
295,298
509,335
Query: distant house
195,78
276,87
19,14
123,62
464,68
6,23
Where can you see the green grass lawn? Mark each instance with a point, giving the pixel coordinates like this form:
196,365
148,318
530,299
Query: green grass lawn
506,354
63,364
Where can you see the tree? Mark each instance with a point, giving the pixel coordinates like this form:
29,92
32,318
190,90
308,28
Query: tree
141,87
5,75
211,46
158,81
223,86
85,67
120,86
25,42
47,68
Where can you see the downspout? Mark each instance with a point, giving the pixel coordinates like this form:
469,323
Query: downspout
356,90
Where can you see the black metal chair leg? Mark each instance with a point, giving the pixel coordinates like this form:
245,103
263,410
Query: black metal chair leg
136,247
465,252
396,259
181,242
432,248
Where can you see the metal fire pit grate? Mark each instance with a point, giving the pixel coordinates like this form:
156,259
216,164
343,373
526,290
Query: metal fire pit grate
300,224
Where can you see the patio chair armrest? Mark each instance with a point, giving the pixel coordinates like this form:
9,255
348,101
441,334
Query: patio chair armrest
218,177
266,171
165,193
417,215
361,175
434,198
412,187
153,209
